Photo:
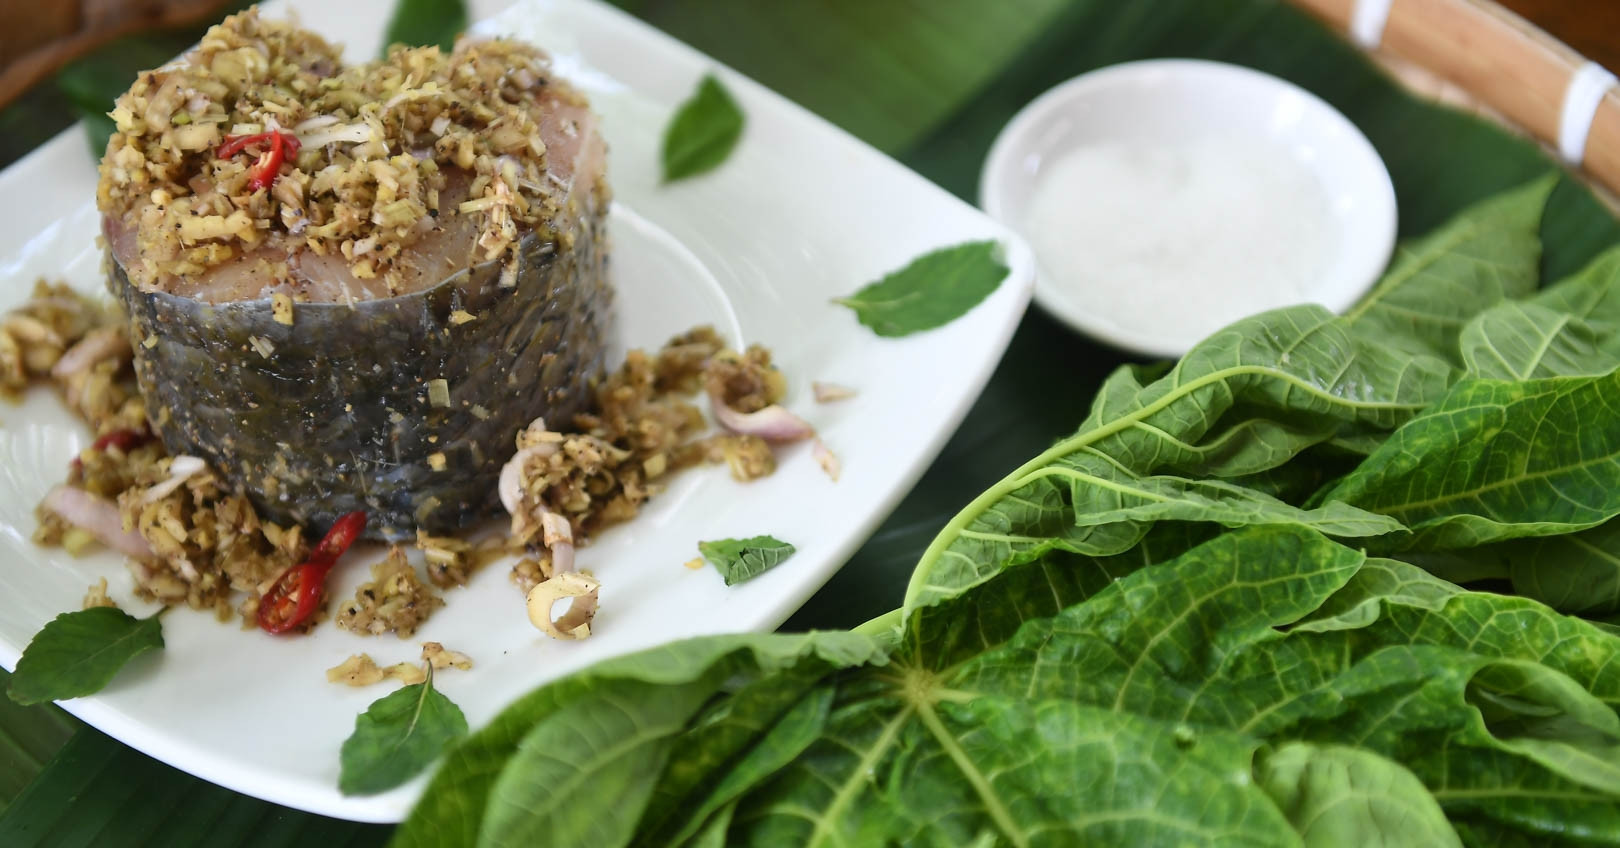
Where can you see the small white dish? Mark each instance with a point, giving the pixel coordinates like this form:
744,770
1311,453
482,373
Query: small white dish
801,213
1137,108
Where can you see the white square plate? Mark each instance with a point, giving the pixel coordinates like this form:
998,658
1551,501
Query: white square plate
799,214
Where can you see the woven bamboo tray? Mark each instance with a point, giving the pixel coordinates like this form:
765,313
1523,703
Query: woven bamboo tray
1478,56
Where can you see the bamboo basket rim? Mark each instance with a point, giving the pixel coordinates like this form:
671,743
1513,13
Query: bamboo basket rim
1478,56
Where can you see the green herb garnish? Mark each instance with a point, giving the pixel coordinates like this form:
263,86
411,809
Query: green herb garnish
78,653
743,559
419,23
703,132
397,737
932,291
92,88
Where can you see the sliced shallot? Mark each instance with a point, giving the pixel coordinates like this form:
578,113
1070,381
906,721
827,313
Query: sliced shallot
98,517
339,133
557,535
829,392
98,344
181,469
773,423
510,486
827,459
318,122
31,329
574,624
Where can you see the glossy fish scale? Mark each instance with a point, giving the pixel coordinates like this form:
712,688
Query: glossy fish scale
332,414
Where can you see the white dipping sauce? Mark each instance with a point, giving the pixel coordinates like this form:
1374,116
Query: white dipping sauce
1175,240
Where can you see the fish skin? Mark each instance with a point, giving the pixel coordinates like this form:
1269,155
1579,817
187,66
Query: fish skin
308,433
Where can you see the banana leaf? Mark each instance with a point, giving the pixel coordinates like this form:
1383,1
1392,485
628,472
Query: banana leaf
931,82
28,738
97,791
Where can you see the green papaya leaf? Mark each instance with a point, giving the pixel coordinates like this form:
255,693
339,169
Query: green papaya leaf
742,739
1297,364
1497,460
641,691
1435,284
1522,341
1267,684
1591,294
1571,328
1573,572
1336,795
713,832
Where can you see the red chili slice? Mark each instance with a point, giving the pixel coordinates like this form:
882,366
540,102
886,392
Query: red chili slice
125,440
338,539
235,144
296,594
294,598
265,171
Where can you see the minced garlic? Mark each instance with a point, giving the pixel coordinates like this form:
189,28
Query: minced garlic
441,657
394,601
438,392
97,595
281,308
361,670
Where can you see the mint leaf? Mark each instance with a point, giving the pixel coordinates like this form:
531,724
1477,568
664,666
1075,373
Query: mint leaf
397,737
932,291
78,653
703,132
743,559
91,89
419,23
